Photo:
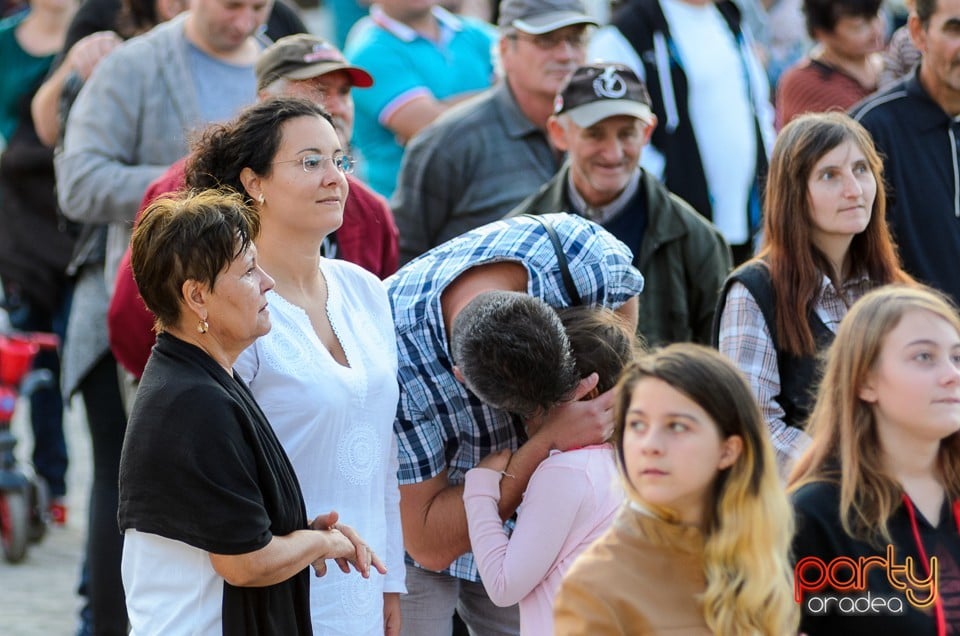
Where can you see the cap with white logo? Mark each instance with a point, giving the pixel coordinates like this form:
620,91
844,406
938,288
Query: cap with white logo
596,91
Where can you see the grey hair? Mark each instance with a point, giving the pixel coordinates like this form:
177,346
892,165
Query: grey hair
513,352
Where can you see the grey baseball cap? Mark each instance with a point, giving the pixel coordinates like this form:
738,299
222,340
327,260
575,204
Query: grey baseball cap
304,56
542,16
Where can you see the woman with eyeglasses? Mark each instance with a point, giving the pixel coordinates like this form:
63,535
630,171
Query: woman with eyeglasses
325,375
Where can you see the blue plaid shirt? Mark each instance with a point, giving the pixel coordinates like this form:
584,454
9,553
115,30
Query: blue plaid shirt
440,425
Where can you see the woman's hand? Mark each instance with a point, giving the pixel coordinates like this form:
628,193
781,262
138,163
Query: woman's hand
346,547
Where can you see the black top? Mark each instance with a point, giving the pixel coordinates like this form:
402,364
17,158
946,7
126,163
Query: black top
201,465
799,375
918,143
820,534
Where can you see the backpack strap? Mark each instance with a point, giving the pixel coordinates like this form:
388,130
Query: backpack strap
568,283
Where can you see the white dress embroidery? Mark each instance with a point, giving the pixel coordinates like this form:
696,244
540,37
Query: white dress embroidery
336,424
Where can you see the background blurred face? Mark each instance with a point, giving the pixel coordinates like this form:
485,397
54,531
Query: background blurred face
672,450
939,42
237,304
854,37
538,64
225,25
842,190
603,156
914,388
332,91
304,202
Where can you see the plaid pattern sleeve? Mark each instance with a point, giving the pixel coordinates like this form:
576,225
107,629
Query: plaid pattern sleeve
745,339
440,425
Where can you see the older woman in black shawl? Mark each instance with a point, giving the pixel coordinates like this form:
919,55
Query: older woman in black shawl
216,535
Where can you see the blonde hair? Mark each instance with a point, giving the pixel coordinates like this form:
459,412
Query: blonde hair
846,448
749,525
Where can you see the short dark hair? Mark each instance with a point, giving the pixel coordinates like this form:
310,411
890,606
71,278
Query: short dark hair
601,341
925,10
192,236
251,140
824,14
513,352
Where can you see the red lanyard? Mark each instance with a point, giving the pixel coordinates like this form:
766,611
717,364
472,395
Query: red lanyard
938,603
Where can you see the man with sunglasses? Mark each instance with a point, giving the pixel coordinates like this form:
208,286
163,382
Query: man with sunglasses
476,162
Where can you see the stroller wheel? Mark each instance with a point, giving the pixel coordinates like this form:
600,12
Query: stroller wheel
14,525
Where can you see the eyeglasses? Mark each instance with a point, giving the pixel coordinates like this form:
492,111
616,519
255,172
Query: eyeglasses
550,41
313,163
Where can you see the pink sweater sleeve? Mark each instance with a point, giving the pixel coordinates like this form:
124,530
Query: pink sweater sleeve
512,567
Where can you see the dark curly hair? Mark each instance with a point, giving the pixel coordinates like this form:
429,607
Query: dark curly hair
250,141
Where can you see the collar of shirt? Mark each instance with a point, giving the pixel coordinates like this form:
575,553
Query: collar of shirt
449,24
607,212
831,304
515,123
930,115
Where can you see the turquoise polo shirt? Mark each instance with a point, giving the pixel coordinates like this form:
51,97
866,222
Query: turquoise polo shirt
20,73
405,65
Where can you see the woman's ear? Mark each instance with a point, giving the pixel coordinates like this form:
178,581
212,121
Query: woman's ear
194,296
251,183
867,391
730,451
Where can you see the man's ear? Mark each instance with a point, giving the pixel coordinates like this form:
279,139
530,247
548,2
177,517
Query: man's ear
917,32
459,375
650,126
557,133
730,451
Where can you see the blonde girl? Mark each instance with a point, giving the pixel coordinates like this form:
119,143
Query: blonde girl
883,470
702,547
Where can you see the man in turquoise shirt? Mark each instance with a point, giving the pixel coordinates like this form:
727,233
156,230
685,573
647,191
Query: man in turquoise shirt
423,60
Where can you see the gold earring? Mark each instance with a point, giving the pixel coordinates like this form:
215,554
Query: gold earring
260,199
203,326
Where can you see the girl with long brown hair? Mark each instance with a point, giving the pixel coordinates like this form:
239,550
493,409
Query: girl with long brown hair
825,244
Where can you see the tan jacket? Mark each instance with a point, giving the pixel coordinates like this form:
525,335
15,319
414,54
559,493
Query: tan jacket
644,576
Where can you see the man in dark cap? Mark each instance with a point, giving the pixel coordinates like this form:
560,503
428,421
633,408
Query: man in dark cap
479,160
603,119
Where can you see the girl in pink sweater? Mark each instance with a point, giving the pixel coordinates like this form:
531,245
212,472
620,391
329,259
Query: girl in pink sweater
570,500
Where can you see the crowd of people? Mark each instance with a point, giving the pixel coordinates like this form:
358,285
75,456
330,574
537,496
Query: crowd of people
533,317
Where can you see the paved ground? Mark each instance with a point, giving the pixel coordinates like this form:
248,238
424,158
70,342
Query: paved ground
38,596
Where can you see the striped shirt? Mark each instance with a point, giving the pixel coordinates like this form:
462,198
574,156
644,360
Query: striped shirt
440,425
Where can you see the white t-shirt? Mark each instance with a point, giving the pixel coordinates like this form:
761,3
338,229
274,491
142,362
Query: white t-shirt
182,593
720,110
336,424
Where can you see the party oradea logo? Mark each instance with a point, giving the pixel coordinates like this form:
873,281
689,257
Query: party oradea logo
839,586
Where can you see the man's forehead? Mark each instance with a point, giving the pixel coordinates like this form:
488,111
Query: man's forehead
338,77
570,28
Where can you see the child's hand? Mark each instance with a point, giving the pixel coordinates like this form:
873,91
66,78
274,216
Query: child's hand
496,461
